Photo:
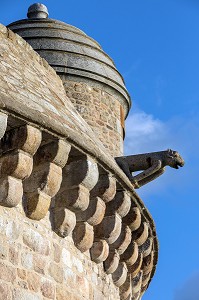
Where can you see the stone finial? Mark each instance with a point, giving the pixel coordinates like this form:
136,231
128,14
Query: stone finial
37,11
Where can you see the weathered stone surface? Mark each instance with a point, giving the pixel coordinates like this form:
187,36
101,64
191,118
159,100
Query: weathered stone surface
64,221
27,138
147,264
109,229
5,292
46,178
7,273
133,218
105,187
83,236
137,283
83,171
11,191
48,289
94,214
112,262
123,240
141,234
126,289
130,255
17,147
34,281
76,198
3,124
21,294
56,272
136,267
120,274
36,242
99,251
121,204
146,248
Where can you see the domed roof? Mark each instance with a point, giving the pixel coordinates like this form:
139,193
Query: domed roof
70,51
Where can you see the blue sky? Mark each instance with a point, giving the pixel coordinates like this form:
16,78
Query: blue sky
155,45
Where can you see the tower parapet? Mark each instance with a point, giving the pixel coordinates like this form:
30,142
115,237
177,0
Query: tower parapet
89,75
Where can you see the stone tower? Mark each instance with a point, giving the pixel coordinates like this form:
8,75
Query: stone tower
89,75
72,226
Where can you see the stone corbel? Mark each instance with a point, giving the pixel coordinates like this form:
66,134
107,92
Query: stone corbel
136,267
120,274
80,175
146,248
3,124
46,177
133,218
126,289
120,204
112,262
141,234
123,240
17,149
137,283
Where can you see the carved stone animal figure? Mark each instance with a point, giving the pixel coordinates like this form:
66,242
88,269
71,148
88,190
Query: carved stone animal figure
151,164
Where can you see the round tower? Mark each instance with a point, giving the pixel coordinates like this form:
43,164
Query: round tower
89,75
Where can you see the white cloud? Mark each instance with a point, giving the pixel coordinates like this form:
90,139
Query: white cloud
144,133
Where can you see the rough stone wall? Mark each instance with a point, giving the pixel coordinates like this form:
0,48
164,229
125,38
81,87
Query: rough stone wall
36,264
102,112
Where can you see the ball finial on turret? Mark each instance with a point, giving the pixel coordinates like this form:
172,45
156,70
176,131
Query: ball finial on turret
37,11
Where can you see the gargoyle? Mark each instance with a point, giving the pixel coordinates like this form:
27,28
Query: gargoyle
151,164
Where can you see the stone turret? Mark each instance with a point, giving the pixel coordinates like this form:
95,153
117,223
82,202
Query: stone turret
89,75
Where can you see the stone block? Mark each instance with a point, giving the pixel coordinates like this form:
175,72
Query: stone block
64,221
109,229
123,240
94,213
141,234
112,262
7,273
83,236
105,188
36,241
38,204
11,191
120,204
130,255
39,263
133,218
56,272
27,260
47,289
5,291
33,280
120,274
21,294
76,199
99,251
3,123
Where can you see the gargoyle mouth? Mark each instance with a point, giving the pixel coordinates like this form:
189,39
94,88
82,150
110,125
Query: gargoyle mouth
179,165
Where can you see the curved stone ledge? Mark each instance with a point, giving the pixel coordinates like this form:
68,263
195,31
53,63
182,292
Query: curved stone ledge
54,160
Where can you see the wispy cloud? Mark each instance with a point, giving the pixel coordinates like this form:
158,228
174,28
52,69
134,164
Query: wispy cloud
189,291
144,133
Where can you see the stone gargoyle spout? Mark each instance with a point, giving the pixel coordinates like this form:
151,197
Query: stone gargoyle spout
151,165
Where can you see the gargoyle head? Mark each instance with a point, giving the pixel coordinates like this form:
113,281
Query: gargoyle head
174,159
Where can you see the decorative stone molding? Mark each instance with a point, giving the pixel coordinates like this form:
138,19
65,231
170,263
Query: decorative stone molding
3,124
46,177
16,162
